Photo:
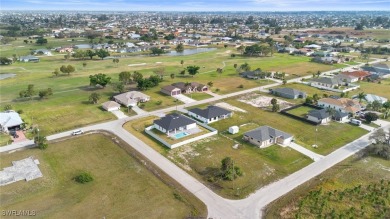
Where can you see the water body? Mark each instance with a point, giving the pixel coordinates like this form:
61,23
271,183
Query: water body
187,52
7,75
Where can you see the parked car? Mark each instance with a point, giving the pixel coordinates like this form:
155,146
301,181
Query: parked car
355,122
77,132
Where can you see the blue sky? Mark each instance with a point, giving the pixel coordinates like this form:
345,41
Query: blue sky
196,5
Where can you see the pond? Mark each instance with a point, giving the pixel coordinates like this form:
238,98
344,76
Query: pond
7,75
190,51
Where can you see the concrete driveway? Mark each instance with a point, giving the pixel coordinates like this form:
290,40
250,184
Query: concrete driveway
119,114
304,151
184,98
137,110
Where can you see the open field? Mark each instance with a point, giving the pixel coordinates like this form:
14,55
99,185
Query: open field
203,158
122,186
382,89
199,96
340,182
5,139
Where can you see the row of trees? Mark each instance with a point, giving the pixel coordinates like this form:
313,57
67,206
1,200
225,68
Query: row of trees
30,92
83,54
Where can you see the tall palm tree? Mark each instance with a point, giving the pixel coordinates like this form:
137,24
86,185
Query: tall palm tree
361,96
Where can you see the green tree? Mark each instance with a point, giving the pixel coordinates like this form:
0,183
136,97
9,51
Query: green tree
245,67
84,177
41,41
115,61
361,96
137,76
182,62
172,76
284,81
210,83
56,72
125,77
369,117
192,70
79,54
45,93
5,61
386,105
94,98
120,87
41,142
179,48
376,105
67,69
381,143
90,53
230,171
156,51
30,92
84,64
99,79
101,53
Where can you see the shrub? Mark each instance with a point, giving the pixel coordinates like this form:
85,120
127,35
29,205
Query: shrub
159,102
241,86
84,177
20,111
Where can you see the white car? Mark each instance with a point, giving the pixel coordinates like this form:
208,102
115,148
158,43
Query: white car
77,132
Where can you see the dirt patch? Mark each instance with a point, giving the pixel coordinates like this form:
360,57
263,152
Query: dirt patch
230,107
260,101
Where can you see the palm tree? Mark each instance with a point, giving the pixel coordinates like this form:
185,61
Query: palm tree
361,96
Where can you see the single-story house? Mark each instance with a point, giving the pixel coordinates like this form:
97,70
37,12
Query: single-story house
371,98
43,52
190,87
10,120
312,46
131,98
251,74
346,78
265,136
170,90
340,116
288,93
210,114
173,123
28,58
324,82
320,116
345,105
111,106
360,75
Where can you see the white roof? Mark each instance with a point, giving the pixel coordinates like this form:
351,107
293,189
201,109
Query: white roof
10,118
371,98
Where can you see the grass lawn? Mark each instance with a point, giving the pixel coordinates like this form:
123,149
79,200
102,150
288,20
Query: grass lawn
341,178
122,186
382,89
199,96
202,160
5,139
300,111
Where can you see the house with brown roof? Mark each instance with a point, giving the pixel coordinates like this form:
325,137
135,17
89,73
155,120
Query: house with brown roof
360,75
111,106
343,104
183,88
170,90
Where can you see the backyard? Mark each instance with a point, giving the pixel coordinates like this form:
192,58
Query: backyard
120,182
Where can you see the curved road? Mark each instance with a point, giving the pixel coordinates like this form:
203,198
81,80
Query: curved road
218,207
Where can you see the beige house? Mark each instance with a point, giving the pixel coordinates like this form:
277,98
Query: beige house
265,136
111,106
343,104
131,98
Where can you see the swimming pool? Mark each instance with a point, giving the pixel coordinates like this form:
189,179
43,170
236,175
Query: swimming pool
180,135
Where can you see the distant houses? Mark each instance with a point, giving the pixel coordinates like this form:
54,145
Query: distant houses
183,88
324,82
289,93
131,98
28,58
210,114
265,136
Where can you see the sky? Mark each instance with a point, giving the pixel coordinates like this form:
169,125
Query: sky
197,5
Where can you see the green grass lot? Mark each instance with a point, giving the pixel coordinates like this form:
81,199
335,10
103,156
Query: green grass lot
5,139
68,107
382,89
199,96
300,111
203,158
122,186
341,178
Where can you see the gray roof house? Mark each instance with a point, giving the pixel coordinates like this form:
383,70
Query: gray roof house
265,136
210,114
251,74
288,93
324,82
170,90
10,119
173,123
340,116
319,116
28,58
131,98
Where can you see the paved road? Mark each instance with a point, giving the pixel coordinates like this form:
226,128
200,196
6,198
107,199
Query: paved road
218,207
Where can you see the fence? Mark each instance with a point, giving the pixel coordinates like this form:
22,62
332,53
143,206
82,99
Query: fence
148,131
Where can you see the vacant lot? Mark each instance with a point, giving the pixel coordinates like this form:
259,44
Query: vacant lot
339,184
122,187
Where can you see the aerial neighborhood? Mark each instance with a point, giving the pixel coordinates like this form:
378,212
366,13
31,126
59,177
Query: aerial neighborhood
149,114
